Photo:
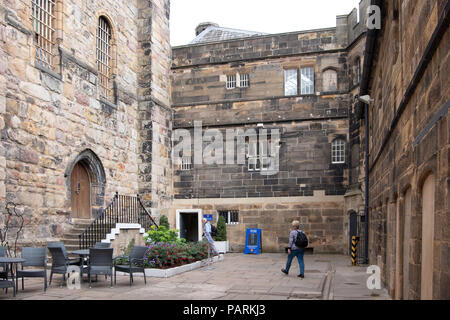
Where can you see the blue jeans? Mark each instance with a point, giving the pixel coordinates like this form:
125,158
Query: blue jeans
211,241
299,254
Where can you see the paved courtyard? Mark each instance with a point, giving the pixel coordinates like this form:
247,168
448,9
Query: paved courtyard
237,277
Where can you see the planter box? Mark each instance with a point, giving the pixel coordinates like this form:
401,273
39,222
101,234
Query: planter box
166,273
222,246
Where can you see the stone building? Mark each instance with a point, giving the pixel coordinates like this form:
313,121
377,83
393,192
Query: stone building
302,84
406,74
84,109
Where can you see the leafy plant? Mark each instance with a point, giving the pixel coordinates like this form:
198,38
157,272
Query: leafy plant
126,252
168,255
162,234
164,221
221,230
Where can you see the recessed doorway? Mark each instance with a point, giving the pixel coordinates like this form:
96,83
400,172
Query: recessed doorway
80,192
189,224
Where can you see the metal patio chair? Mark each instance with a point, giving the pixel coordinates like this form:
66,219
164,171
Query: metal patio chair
135,263
100,262
35,257
59,263
71,261
5,284
3,273
102,245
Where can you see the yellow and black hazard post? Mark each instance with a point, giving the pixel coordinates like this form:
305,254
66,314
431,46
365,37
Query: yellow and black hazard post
354,248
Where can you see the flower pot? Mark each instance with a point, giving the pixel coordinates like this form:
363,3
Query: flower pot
222,246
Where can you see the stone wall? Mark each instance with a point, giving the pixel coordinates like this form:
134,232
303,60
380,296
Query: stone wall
155,113
123,239
51,116
320,216
409,140
304,166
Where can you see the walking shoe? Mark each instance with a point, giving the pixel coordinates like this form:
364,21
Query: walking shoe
284,271
301,276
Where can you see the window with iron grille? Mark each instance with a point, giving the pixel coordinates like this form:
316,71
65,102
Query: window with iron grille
231,81
307,82
104,57
258,154
290,82
338,151
231,217
43,18
244,83
186,163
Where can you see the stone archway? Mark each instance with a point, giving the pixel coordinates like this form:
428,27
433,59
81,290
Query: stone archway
86,179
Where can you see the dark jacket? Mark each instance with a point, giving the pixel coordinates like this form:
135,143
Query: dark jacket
292,237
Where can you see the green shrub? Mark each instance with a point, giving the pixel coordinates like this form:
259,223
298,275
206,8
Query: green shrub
166,255
164,221
221,230
162,234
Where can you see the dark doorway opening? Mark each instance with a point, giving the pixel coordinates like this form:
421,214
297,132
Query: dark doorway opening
189,226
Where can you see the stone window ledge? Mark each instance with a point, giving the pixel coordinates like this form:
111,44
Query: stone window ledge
107,106
47,70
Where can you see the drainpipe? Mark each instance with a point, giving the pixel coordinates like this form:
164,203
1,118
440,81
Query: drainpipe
366,206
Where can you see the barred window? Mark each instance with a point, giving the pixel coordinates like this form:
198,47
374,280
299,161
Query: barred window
104,57
231,81
231,217
290,82
43,17
186,163
338,151
244,83
307,83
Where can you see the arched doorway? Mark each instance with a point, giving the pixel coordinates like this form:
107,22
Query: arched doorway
80,196
85,182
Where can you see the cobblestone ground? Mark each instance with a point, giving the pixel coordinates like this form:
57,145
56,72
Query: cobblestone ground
237,277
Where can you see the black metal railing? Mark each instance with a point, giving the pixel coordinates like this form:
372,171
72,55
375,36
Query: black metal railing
122,209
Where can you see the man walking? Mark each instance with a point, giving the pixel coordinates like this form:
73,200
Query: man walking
294,251
207,232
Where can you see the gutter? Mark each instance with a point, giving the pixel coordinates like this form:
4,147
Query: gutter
371,46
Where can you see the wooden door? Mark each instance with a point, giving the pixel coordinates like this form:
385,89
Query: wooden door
80,193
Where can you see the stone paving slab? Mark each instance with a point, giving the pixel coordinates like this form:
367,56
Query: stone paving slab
237,277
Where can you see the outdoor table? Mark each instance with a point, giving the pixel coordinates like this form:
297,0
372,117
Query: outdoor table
11,261
83,253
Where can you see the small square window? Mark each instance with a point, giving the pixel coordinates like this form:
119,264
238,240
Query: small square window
244,81
231,217
265,163
231,81
186,163
290,82
307,81
253,164
338,152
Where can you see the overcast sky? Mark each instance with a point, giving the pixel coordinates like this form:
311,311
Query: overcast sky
269,16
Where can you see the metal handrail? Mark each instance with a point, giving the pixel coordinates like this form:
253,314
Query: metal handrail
122,209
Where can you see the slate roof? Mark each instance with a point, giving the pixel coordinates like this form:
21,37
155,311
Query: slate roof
214,33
